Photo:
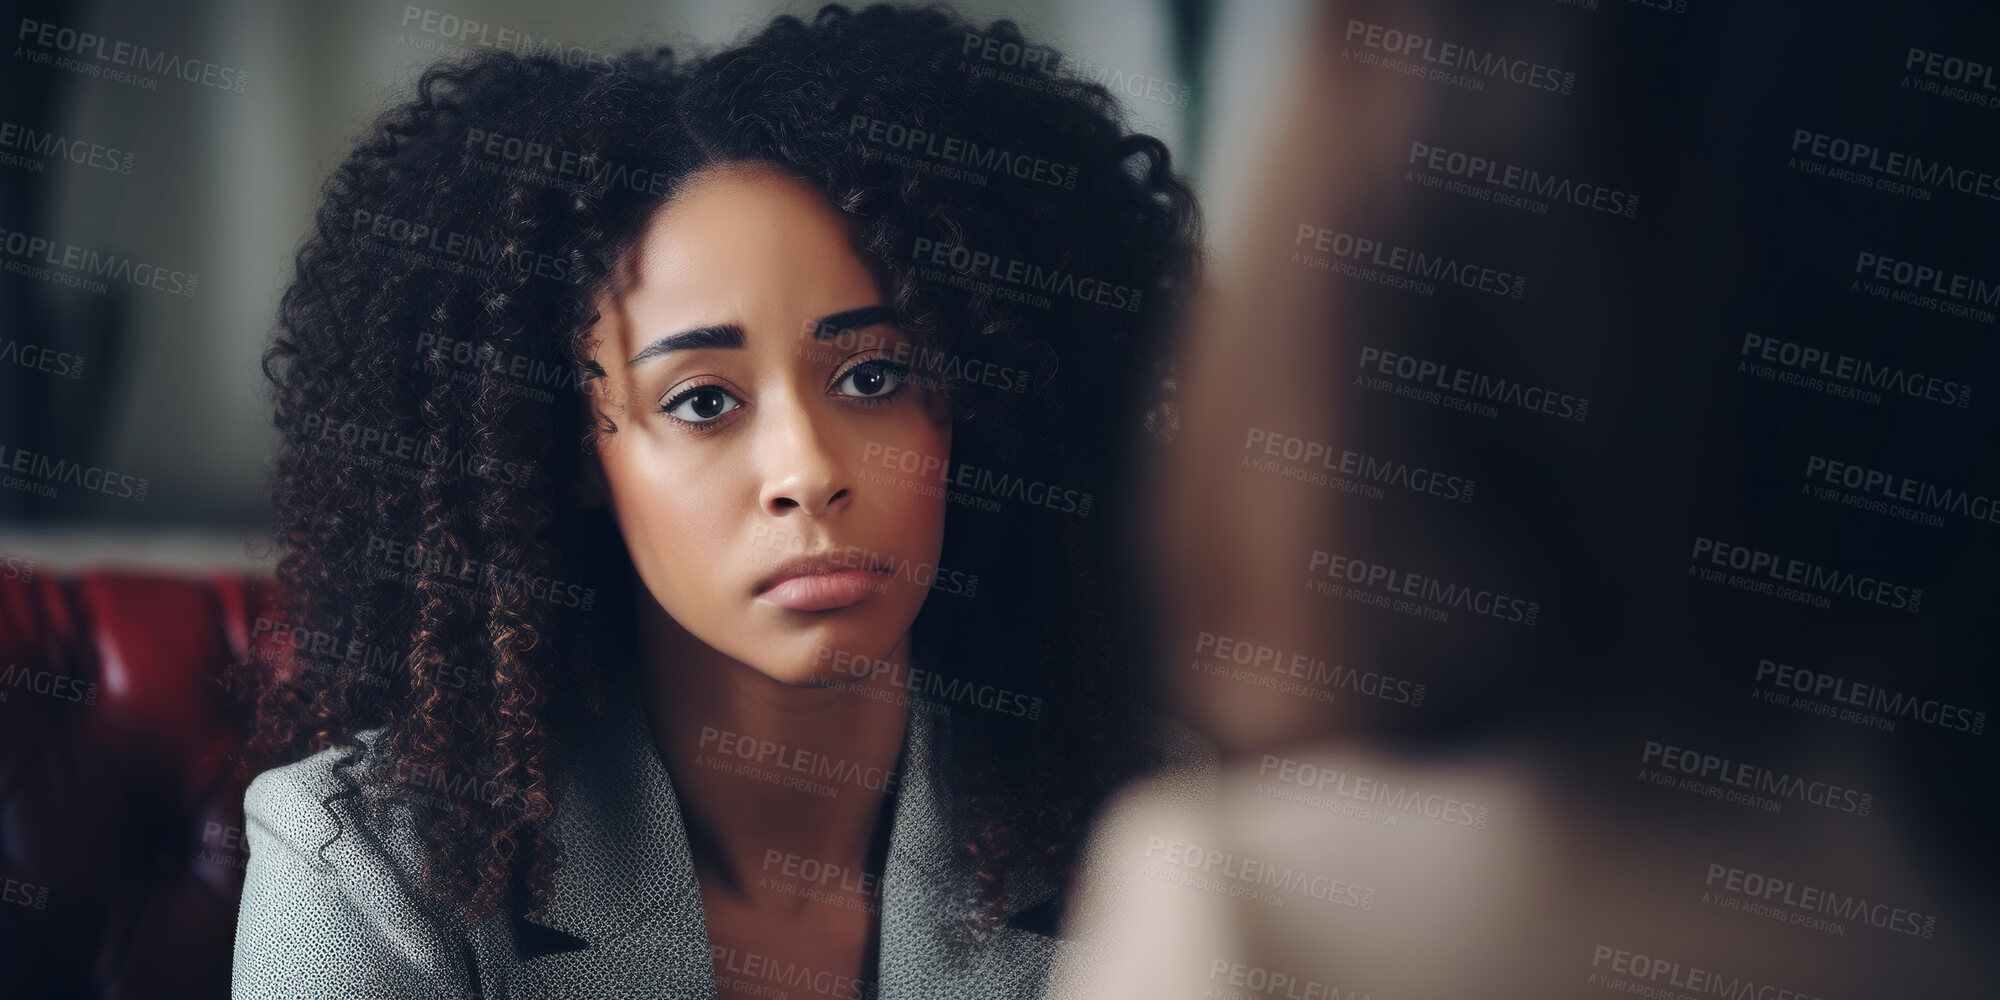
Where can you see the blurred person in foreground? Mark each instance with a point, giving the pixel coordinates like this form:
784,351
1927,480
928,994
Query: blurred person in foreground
1339,858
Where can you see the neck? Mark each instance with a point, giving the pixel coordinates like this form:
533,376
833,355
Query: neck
770,773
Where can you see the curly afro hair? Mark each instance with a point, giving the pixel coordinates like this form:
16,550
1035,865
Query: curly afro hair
431,378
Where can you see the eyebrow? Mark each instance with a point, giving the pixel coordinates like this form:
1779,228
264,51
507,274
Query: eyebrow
731,335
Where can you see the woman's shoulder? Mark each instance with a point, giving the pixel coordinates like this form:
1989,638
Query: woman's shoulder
328,906
315,775
310,810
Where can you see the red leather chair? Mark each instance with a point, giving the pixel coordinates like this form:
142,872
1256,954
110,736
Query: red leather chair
121,823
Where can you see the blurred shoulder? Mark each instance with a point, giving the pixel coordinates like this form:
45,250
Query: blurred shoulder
1189,768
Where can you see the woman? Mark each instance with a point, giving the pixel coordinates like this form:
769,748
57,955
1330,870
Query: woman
1492,842
773,651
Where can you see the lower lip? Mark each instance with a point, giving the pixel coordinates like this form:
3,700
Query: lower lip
824,591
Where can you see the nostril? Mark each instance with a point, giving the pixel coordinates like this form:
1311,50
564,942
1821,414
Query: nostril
791,501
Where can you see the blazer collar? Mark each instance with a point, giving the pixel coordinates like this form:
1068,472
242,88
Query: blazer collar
626,881
625,908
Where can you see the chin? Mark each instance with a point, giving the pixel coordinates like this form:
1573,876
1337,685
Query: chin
830,653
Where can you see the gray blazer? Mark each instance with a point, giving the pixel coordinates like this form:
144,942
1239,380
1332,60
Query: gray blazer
625,918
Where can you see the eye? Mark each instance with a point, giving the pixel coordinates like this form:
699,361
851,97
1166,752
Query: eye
700,404
877,379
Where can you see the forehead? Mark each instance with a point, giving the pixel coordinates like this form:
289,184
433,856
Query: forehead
746,244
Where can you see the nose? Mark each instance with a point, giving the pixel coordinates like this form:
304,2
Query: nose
803,473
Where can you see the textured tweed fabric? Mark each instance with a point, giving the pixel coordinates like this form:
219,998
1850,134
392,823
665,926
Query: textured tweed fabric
625,919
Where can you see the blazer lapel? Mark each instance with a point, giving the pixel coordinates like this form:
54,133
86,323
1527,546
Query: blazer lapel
625,915
929,890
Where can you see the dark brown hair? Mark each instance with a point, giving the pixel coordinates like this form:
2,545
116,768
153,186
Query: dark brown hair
431,359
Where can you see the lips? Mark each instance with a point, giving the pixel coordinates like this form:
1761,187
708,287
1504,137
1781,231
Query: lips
818,583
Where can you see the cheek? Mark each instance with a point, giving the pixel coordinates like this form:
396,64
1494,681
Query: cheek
669,528
921,512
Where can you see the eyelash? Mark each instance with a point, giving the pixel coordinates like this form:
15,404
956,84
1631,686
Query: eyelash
900,370
668,405
897,368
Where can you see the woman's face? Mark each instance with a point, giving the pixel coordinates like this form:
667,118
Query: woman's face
757,384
